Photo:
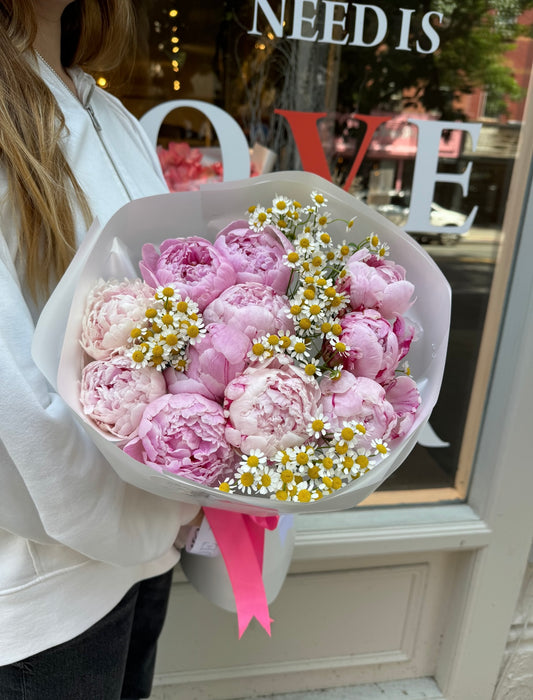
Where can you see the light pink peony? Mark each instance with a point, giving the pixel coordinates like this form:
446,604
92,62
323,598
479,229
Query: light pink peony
270,407
214,361
114,395
405,332
358,399
190,265
112,310
373,345
253,308
184,434
375,283
402,393
257,256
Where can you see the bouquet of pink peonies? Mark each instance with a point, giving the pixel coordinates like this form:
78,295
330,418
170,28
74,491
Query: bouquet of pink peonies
259,365
258,368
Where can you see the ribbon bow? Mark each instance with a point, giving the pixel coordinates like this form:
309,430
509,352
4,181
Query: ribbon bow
241,540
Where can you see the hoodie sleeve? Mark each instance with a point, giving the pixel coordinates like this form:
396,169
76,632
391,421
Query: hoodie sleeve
54,483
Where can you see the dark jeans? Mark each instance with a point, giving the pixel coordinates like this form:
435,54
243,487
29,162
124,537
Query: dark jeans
113,659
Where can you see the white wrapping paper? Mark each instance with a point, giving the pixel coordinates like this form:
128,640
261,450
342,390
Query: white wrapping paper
113,252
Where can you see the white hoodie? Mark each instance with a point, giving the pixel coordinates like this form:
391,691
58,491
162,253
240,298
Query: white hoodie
73,536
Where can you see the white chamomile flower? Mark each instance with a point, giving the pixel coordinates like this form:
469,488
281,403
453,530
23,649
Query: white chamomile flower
324,218
305,244
302,456
406,368
319,426
281,205
260,351
349,224
245,477
260,218
374,242
292,259
138,357
283,457
304,494
167,292
298,348
338,346
383,250
228,486
380,446
318,198
363,461
267,480
254,460
348,434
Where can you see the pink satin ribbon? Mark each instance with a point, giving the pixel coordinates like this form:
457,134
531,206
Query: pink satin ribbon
241,540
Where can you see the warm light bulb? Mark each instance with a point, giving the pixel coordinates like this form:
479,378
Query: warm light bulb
102,82
173,13
177,85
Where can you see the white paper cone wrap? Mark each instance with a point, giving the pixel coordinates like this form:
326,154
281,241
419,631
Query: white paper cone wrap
113,252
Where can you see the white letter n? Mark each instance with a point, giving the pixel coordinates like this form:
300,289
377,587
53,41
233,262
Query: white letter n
276,23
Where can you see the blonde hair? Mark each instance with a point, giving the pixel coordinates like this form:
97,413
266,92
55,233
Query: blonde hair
42,189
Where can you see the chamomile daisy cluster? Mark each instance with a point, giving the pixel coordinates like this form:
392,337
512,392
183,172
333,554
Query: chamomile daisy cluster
171,325
308,472
318,267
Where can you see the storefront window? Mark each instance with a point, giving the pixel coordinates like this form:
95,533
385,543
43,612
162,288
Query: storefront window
413,107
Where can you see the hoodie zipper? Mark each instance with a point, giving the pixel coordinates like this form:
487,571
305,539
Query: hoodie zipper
94,120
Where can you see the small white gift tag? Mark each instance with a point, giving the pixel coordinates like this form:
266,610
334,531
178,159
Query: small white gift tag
201,541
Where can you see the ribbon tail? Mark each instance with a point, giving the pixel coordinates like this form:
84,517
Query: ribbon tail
241,546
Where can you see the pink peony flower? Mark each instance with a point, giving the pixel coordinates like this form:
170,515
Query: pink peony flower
375,283
184,434
269,407
373,345
114,395
358,399
402,393
257,256
214,361
253,308
112,310
405,332
190,265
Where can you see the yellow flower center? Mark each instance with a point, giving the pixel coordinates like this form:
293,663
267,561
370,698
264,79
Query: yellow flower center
171,339
287,476
150,313
273,340
336,329
325,327
360,428
327,462
341,347
224,486
336,482
135,333
374,240
317,425
304,496
345,250
362,461
193,331
314,309
167,291
258,349
167,319
247,479
137,356
319,198
182,306
266,480
305,324
262,216
381,448
295,309
252,461
293,257
330,292
299,347
313,472
347,434
341,448
281,495
304,242
157,351
302,458
325,237
309,294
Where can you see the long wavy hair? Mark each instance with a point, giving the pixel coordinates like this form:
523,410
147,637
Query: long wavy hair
42,190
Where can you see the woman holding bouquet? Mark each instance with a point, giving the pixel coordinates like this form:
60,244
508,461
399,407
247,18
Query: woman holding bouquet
85,559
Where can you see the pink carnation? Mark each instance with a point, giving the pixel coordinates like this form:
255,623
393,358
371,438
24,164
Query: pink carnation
214,361
375,283
270,407
114,395
253,308
358,399
112,310
184,434
190,265
257,256
373,345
